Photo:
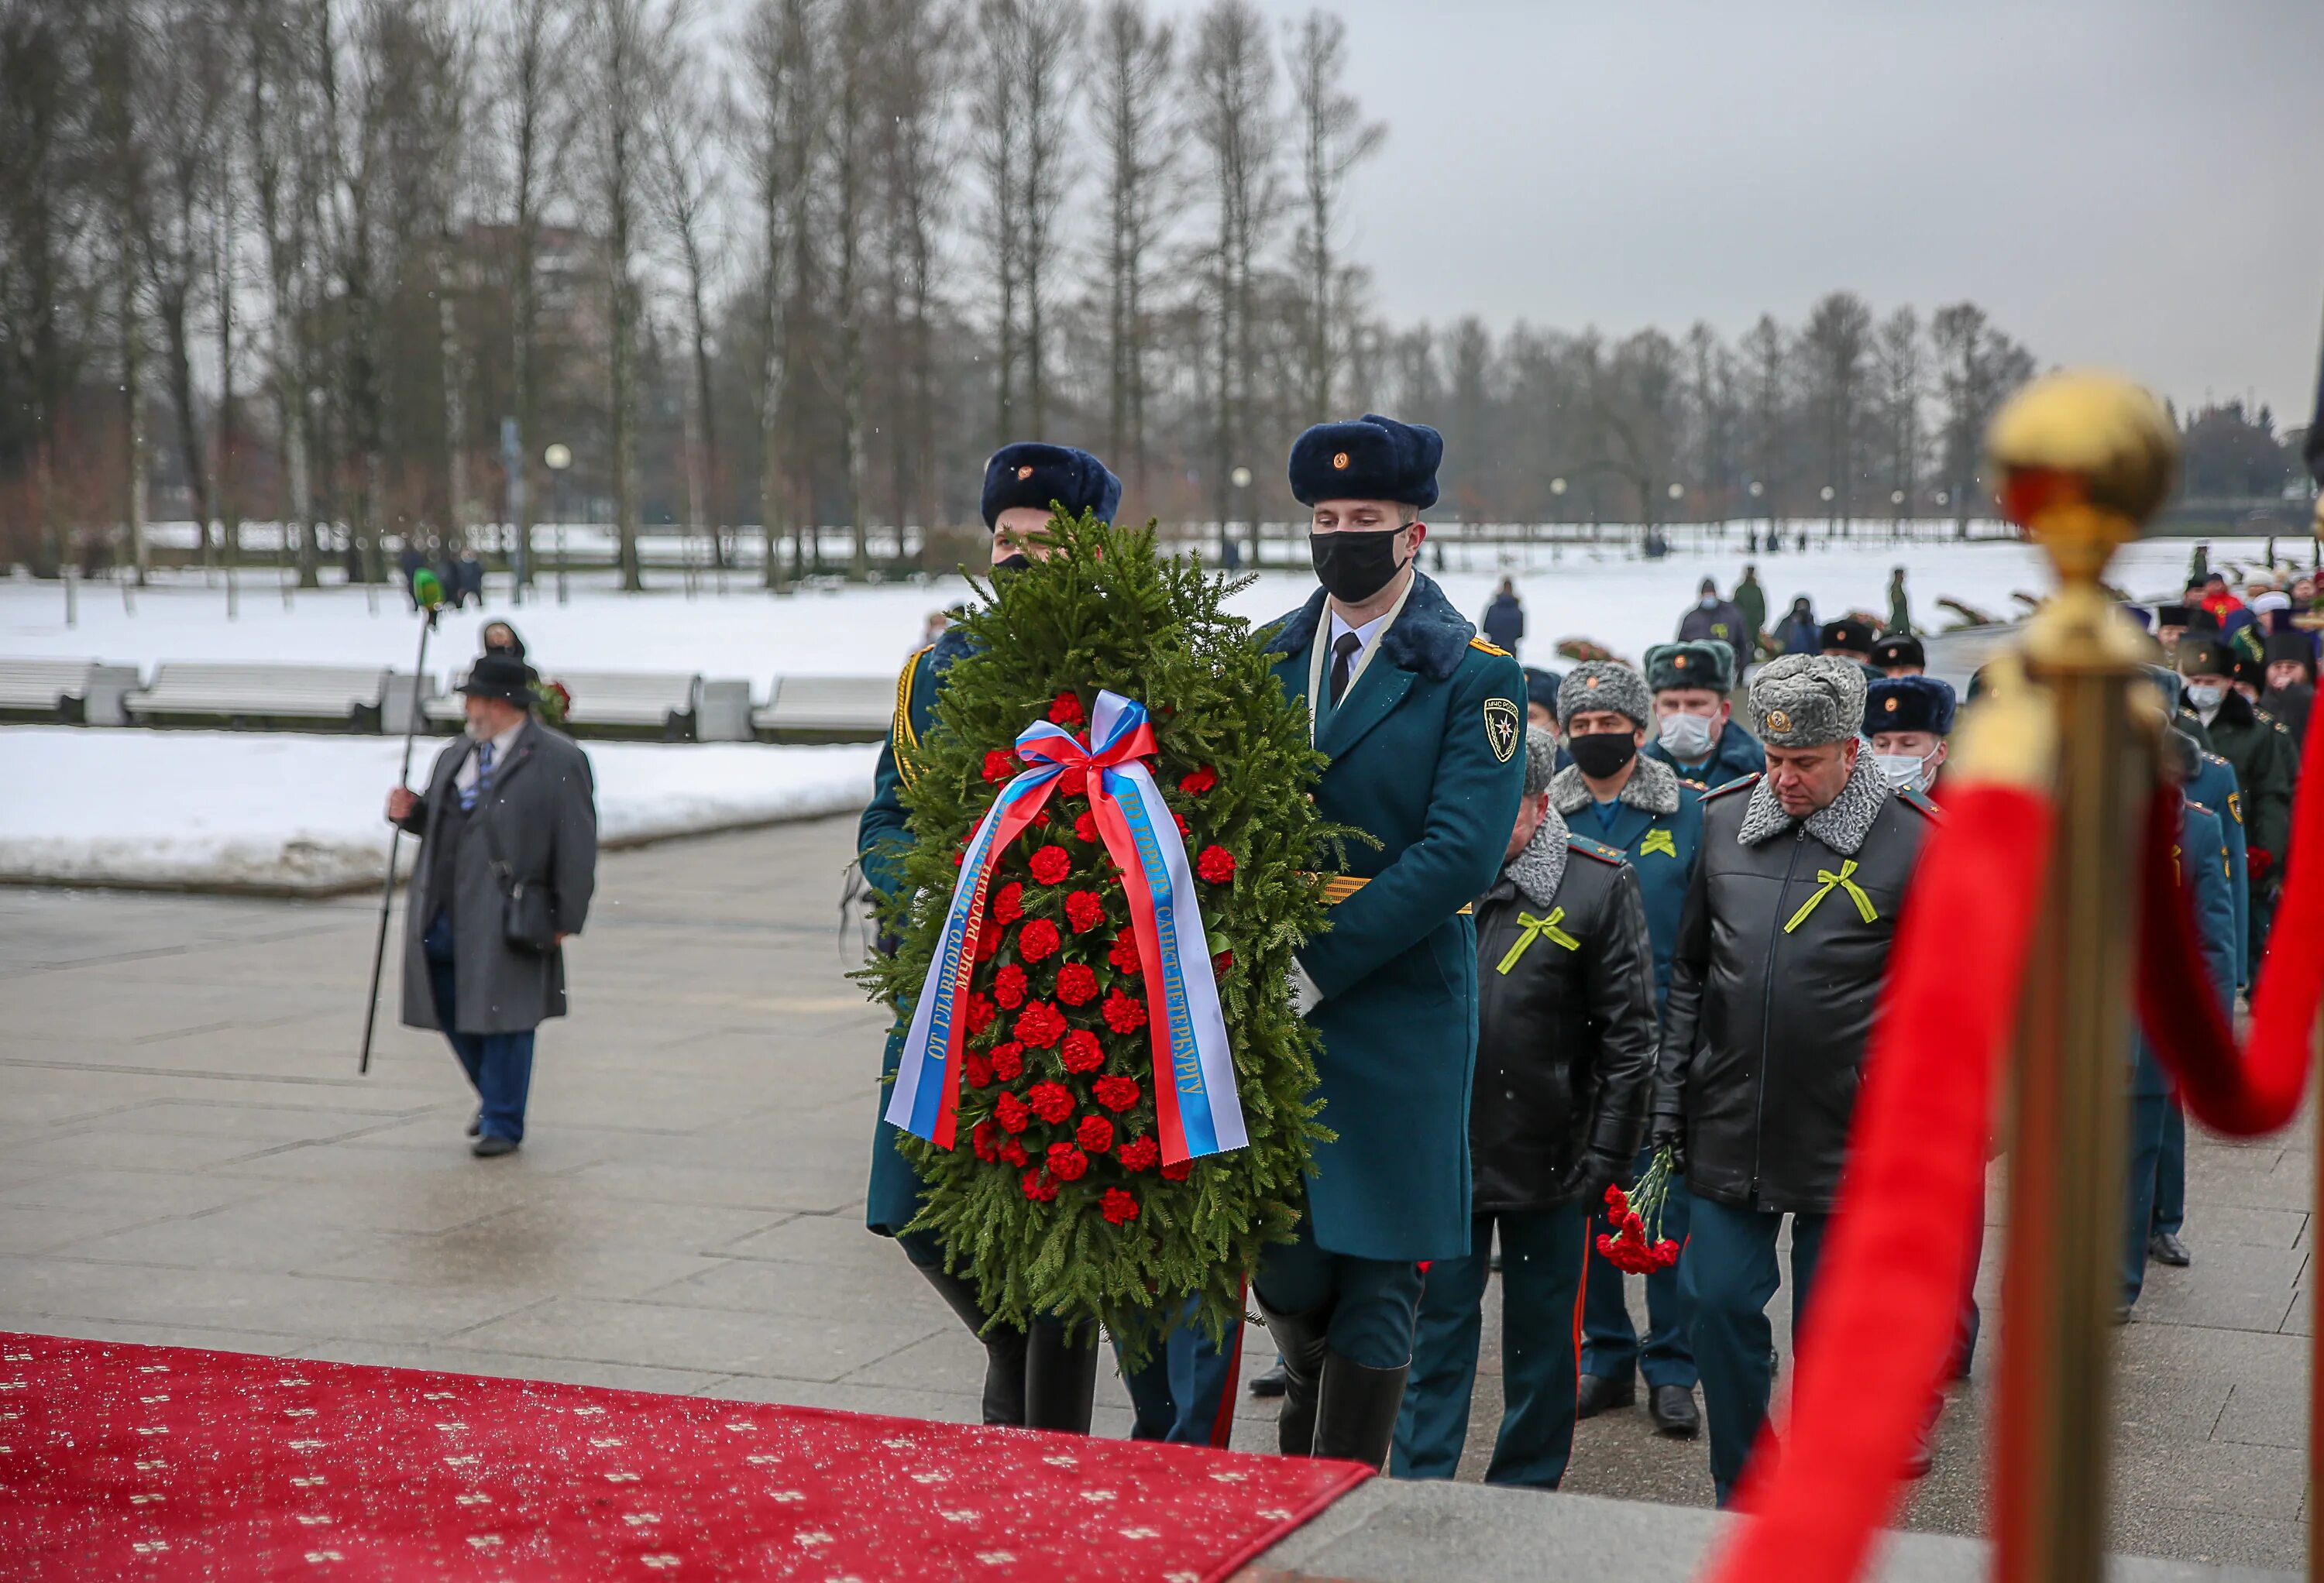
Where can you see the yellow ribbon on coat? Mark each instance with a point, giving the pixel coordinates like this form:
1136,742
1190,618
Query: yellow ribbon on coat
1535,928
1831,882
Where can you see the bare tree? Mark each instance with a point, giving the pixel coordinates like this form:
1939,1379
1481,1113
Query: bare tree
1333,139
686,188
776,130
1978,365
1767,401
1711,398
1235,122
850,94
1902,374
1025,52
120,52
916,82
1634,399
1140,142
1835,345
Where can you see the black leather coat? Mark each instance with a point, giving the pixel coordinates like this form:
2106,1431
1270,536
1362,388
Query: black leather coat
1565,1040
1764,1033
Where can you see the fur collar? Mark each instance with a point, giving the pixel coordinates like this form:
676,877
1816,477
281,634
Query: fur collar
1429,636
1539,869
1840,824
1653,787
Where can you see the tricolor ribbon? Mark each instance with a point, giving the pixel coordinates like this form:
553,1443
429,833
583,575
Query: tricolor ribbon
1196,1110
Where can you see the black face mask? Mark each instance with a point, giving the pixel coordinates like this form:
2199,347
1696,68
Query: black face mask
1010,566
1352,566
1600,754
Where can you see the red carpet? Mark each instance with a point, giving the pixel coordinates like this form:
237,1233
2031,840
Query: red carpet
163,1463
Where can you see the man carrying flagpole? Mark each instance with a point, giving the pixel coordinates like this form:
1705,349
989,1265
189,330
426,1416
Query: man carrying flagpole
1423,722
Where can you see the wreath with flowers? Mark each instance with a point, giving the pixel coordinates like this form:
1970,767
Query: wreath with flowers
1055,1196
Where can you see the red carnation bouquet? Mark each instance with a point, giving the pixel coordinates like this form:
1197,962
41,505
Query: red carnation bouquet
1636,1246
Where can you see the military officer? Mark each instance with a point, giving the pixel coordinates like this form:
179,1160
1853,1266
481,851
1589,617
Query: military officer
1541,699
1907,719
2265,764
1565,1050
1424,724
1045,1379
1899,654
1847,639
1640,807
1696,731
1781,950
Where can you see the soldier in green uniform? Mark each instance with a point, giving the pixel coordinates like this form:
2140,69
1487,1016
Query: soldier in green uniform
1640,807
1695,731
2265,762
1424,724
1040,1379
1900,654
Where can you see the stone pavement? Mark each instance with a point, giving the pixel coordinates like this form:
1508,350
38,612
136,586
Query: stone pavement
187,1155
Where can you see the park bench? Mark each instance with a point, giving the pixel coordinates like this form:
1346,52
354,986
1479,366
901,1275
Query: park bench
306,697
658,705
67,692
827,709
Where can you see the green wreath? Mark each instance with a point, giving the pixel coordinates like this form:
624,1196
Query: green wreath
1054,1199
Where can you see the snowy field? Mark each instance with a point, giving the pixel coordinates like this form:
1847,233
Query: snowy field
289,812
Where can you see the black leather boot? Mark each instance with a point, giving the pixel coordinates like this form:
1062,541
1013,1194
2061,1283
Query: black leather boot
1004,1346
1299,1344
1356,1409
1060,1377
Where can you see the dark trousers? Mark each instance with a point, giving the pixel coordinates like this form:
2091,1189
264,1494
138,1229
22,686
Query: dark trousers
2171,1169
1543,1272
1728,1272
499,1065
1610,1341
2150,1128
1373,1302
1177,1396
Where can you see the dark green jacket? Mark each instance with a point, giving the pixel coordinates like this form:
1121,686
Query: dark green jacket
2267,768
1658,827
1427,755
1752,599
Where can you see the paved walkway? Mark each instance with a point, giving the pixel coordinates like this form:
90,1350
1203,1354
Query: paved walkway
187,1155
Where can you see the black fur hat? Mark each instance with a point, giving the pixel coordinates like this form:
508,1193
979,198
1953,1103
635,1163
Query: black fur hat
1031,474
1850,636
1909,703
1899,648
1374,458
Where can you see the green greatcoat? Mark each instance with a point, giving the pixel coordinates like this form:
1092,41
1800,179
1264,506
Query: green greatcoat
1427,756
881,842
2266,767
1752,601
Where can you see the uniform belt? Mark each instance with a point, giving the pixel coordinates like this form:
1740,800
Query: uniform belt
1338,888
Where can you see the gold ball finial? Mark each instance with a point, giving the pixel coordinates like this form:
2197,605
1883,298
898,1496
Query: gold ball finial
2081,459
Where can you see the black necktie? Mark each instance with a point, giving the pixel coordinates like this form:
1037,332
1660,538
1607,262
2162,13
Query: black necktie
1343,661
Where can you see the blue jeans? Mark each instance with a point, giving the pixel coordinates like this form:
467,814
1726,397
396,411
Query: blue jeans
1373,1302
1178,1394
1542,1279
1610,1341
499,1065
1729,1272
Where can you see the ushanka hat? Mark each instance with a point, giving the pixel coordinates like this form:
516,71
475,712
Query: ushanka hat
1031,474
1541,687
2198,655
1604,684
1374,458
1908,704
1807,701
1847,635
1696,663
1899,648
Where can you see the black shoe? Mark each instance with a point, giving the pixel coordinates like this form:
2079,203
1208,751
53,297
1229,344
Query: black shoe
1672,1409
1300,1346
1269,1381
1060,1377
1356,1409
2164,1247
2122,1313
476,1125
1924,1451
1004,1346
1599,1393
492,1145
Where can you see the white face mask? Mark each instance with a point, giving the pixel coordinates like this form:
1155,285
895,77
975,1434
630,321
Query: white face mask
2203,697
1684,737
1905,771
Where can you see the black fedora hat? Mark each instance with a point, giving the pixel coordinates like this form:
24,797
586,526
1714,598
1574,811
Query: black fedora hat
496,676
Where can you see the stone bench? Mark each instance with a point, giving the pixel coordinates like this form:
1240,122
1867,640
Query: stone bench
827,709
656,705
66,692
344,697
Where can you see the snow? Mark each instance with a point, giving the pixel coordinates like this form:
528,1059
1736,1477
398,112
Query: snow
284,812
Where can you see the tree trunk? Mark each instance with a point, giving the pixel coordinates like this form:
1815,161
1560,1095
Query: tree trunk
190,437
133,417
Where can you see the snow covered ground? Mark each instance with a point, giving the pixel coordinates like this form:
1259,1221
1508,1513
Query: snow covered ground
281,812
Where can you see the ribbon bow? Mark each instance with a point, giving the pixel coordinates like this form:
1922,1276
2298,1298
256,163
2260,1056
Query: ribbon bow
1829,882
1196,1109
1535,928
1658,841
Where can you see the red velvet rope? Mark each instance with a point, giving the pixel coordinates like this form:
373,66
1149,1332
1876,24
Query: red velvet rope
1897,1258
2256,1089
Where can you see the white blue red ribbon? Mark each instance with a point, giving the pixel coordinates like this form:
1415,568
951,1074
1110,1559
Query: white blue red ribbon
1196,1109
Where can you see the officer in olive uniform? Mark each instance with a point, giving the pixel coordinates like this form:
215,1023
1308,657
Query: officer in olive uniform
1423,722
1783,949
1044,1381
1640,807
2266,766
1695,731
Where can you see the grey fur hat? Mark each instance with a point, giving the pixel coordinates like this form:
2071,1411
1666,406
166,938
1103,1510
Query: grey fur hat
1807,701
1604,684
1541,763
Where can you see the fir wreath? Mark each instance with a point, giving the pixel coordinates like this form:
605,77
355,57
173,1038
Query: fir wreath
1055,1200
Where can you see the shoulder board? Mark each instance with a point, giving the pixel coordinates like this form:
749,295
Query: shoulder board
1592,849
1488,648
2198,807
2279,725
2211,758
1919,802
1732,786
1700,788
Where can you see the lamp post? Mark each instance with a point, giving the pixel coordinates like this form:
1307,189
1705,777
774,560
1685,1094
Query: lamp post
1240,479
557,458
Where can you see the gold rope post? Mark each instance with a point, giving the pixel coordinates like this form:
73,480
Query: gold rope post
2081,460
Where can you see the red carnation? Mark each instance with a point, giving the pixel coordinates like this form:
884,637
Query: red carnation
1040,1026
1038,1187
1037,940
1082,1052
1008,1061
978,1070
981,1013
981,1140
1085,910
1139,1153
1124,952
1051,1102
1076,984
1094,1135
988,944
1067,1163
1012,1152
1115,1093
1009,986
1086,827
1074,781
1216,865
1011,1112
1066,710
1177,1173
1118,1207
956,859
1050,865
1124,1014
1009,903
1199,782
1221,962
999,764
1184,828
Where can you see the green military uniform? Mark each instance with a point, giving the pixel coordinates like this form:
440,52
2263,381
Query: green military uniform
1752,599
